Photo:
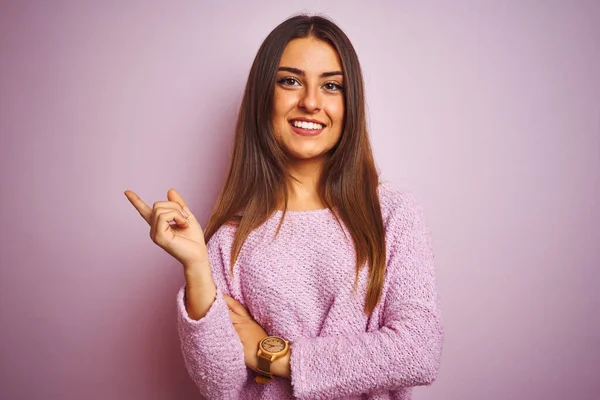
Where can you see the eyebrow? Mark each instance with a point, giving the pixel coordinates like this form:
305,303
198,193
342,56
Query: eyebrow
302,73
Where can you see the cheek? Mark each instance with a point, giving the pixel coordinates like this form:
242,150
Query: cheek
336,112
282,104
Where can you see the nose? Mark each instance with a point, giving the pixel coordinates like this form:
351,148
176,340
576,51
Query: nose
310,100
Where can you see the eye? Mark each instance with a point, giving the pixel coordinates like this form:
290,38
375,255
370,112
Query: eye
288,81
332,87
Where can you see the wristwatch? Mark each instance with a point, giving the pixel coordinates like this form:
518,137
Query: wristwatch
269,349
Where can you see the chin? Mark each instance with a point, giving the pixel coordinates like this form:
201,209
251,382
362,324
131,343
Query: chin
300,152
306,156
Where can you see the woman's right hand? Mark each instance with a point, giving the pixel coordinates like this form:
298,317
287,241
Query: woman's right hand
174,228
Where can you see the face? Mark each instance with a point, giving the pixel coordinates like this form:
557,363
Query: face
308,105
273,344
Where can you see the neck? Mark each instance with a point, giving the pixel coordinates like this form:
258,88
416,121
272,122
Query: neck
303,190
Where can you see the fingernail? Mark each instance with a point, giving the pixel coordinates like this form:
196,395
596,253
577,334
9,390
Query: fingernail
184,213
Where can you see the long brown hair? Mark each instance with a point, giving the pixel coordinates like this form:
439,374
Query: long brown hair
257,176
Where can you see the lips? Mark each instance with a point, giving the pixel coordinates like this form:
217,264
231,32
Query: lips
306,132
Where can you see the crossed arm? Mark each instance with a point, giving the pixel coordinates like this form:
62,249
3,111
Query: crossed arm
404,352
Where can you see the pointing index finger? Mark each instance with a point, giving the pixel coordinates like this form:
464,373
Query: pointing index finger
144,209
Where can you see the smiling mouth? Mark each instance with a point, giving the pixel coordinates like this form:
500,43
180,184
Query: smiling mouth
304,128
309,126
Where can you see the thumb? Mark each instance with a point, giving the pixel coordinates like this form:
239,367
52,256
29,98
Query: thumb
173,195
235,306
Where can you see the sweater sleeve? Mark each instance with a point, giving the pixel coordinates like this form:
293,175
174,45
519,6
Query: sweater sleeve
211,348
406,349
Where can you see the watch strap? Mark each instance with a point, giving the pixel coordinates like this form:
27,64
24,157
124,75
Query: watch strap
262,379
263,370
264,365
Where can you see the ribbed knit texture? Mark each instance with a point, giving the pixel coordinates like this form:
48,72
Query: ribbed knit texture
299,285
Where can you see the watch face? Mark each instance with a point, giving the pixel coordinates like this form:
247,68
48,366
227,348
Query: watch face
273,344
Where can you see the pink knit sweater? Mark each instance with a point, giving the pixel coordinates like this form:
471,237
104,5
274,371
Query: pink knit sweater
299,285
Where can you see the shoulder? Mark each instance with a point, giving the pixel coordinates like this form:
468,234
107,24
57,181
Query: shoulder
407,233
398,206
223,237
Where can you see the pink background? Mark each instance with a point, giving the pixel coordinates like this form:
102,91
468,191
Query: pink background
488,111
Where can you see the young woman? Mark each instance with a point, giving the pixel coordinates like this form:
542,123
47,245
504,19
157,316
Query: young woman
316,280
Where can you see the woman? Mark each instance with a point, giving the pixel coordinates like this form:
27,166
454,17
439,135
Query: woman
304,244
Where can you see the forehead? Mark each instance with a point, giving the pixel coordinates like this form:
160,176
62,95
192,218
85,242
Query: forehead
310,55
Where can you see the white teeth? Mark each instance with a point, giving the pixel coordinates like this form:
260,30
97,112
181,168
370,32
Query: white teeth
307,125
